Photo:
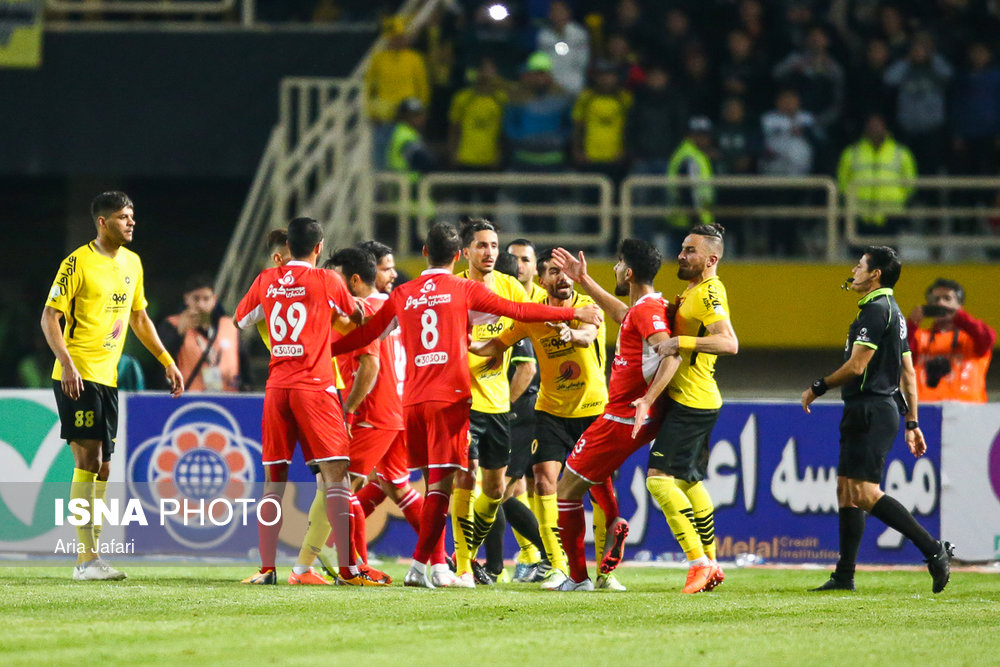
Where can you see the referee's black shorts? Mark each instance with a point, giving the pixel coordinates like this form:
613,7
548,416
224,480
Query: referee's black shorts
868,428
93,416
682,444
489,439
522,433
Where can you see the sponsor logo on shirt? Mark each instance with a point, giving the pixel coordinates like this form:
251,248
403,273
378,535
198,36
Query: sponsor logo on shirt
424,300
288,292
430,359
620,361
290,350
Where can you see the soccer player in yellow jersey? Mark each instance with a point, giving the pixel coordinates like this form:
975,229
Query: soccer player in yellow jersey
572,394
679,457
99,292
489,427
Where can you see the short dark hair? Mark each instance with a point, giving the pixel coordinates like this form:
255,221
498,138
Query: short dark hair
354,261
276,238
442,243
378,250
303,235
198,281
525,242
947,284
471,225
109,202
643,258
540,259
506,263
713,231
886,260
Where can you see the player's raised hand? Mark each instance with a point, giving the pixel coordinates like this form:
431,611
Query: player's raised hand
565,333
175,380
574,267
590,314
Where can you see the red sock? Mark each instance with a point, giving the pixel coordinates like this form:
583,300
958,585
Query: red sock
338,511
358,529
604,495
268,511
432,522
572,529
411,505
440,556
370,496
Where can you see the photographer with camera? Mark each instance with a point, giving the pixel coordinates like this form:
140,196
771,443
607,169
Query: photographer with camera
954,353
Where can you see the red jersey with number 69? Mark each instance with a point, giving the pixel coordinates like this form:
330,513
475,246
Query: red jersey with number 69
434,312
635,360
297,301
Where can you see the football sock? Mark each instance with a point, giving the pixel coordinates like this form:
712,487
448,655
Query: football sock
704,513
525,527
338,513
889,511
494,542
82,488
370,496
269,512
318,530
572,524
432,523
603,494
548,527
461,527
852,528
677,509
300,569
411,505
360,537
484,512
600,532
100,493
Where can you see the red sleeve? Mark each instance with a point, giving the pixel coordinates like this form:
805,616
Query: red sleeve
982,335
482,299
367,332
340,295
649,320
245,311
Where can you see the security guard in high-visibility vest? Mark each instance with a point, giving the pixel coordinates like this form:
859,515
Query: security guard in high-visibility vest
691,160
407,153
877,156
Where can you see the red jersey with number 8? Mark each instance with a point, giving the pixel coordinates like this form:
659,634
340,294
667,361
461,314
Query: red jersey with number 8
298,302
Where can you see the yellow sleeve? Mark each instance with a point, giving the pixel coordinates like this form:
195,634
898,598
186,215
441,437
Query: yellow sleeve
66,285
458,104
844,169
139,297
580,106
513,334
420,83
713,306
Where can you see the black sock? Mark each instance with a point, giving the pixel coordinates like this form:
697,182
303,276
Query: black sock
852,528
889,511
523,521
494,543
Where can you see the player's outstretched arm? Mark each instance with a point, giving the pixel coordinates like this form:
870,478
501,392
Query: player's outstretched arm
576,269
852,368
145,331
367,332
482,300
581,336
491,347
721,340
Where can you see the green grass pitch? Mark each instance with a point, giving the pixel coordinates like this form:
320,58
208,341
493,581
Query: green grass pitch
201,615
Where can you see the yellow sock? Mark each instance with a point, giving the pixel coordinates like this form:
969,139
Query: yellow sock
677,509
82,488
600,532
461,528
704,513
484,513
318,531
548,526
100,493
529,552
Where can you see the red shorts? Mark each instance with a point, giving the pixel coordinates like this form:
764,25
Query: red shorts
437,434
314,419
605,445
395,465
368,447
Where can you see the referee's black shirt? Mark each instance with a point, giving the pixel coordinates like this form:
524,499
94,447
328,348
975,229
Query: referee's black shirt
881,326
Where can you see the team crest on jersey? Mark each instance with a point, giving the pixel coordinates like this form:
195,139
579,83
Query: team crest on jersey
286,279
429,286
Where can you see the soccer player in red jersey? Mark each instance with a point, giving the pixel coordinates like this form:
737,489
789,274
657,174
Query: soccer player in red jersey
434,312
638,377
298,301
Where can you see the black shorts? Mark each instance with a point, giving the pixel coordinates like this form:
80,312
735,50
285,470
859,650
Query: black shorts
489,439
93,416
868,428
555,437
681,446
522,434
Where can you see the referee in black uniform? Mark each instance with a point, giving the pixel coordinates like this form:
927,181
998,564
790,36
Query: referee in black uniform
877,362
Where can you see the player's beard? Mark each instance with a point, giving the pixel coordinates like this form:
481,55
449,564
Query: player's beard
621,289
687,272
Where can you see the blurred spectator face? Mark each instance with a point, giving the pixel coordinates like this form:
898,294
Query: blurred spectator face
606,81
799,14
559,13
878,54
892,20
677,23
487,73
788,102
979,56
817,42
537,81
418,120
740,45
200,301
751,11
629,12
695,63
702,140
920,51
733,111
876,130
618,47
657,78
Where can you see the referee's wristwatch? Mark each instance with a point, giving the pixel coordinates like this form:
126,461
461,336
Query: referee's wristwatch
912,424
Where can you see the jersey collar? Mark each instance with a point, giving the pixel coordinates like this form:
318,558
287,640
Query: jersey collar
298,262
430,272
651,295
881,291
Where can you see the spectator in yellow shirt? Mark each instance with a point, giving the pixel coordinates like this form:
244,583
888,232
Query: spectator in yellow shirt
599,117
476,120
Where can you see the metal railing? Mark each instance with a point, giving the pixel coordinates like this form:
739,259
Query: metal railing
159,10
